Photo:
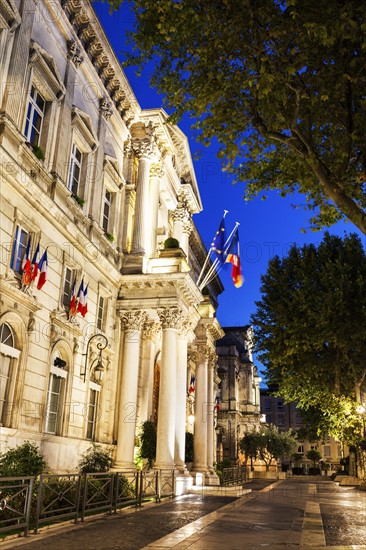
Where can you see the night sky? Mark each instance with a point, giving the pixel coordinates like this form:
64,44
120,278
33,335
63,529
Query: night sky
267,227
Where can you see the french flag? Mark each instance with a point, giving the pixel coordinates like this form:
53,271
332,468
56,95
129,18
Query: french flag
85,304
42,266
35,262
26,264
80,307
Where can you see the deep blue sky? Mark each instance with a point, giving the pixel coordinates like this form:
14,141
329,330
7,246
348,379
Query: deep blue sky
266,227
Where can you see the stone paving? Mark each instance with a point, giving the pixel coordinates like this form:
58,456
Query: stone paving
293,513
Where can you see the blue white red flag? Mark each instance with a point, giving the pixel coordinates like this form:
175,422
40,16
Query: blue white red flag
42,267
85,304
233,257
192,385
35,263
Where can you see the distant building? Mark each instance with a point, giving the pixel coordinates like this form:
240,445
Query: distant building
287,416
238,397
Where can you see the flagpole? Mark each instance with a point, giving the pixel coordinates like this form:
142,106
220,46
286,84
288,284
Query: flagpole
208,256
207,278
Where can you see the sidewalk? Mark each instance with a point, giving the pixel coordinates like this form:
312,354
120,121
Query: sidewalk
283,515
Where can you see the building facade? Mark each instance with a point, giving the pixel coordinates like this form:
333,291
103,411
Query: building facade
99,184
287,416
238,397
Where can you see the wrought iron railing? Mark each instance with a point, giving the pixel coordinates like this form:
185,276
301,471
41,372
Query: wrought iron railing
25,505
15,503
234,476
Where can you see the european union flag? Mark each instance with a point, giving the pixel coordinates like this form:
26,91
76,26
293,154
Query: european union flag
218,243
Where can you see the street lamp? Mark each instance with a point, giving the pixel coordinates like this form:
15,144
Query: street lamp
99,367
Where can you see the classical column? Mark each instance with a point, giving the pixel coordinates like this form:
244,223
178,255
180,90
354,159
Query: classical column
143,149
200,421
210,411
147,371
156,173
170,320
180,410
187,228
132,322
181,218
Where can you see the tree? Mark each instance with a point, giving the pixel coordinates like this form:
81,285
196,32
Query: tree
148,442
249,446
313,455
310,330
280,84
275,445
95,459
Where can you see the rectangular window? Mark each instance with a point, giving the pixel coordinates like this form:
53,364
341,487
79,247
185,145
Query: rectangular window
53,413
18,250
68,282
107,204
300,449
280,405
327,450
35,116
100,313
5,363
92,414
281,420
74,180
267,404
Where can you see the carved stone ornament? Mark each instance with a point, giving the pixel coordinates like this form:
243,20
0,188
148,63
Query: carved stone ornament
74,55
133,320
156,171
150,330
144,148
187,227
186,327
170,317
105,108
212,359
202,354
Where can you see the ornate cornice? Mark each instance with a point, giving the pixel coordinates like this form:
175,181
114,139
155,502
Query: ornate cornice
133,320
170,317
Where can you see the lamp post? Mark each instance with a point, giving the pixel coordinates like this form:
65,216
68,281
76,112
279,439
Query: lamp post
101,345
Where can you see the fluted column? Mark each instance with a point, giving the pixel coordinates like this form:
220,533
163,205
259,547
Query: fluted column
170,321
143,149
147,371
210,411
156,174
180,410
200,422
132,322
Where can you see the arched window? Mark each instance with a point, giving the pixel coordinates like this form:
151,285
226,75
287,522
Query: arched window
8,362
56,394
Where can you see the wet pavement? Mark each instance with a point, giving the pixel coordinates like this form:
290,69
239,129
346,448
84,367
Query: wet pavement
294,513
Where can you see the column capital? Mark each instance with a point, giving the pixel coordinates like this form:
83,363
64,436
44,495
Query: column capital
170,317
133,320
150,330
144,148
200,353
187,226
212,359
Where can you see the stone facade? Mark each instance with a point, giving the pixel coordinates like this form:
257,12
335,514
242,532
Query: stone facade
100,184
238,397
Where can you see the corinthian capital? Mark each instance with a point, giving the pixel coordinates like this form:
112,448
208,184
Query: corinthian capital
133,320
150,330
144,148
156,171
170,317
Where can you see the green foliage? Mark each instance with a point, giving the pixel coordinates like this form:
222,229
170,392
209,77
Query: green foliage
268,444
170,242
79,200
38,151
94,460
110,237
280,85
313,455
296,457
189,456
309,327
148,442
23,460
